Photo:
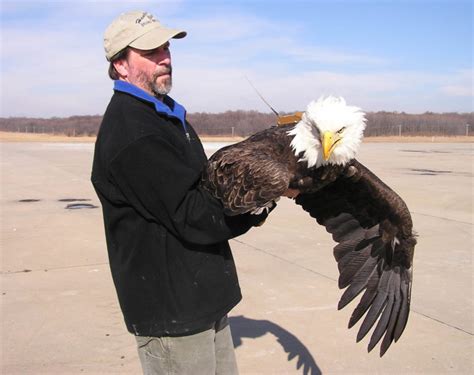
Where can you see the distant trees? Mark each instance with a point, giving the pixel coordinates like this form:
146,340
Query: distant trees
239,123
426,124
70,126
244,123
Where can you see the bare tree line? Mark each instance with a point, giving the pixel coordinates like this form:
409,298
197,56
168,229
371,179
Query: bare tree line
70,126
426,124
244,123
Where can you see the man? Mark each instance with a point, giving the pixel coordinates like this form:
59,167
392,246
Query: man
166,237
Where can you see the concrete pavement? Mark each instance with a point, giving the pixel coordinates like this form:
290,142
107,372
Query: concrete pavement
60,314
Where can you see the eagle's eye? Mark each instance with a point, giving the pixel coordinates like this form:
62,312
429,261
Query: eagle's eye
341,130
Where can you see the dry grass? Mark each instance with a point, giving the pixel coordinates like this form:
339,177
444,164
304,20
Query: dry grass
32,137
419,139
210,138
35,137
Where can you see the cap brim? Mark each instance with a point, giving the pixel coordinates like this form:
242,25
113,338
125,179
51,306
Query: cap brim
156,37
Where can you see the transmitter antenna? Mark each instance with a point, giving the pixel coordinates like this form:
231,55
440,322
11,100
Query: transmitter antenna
283,120
261,97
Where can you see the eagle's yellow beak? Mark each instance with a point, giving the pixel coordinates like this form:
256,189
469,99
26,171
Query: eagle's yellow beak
329,142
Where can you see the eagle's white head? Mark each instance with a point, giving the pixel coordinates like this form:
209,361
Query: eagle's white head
330,132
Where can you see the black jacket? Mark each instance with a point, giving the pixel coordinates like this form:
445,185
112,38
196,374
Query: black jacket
166,237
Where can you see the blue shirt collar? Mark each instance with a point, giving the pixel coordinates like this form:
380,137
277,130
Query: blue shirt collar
171,108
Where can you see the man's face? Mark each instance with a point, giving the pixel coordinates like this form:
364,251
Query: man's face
150,69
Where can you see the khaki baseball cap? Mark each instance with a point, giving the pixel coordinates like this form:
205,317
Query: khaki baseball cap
138,30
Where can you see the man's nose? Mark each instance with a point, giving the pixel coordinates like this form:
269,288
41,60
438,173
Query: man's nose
166,61
166,57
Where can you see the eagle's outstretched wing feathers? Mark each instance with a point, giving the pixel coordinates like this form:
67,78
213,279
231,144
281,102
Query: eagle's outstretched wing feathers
373,229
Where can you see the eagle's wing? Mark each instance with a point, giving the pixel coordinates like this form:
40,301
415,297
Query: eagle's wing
373,228
244,178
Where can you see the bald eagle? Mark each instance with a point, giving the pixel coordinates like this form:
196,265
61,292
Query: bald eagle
369,222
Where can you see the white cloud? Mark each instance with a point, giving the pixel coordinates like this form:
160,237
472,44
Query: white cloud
316,54
459,85
457,90
51,72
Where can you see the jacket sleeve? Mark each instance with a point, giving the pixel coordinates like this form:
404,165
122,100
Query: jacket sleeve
155,179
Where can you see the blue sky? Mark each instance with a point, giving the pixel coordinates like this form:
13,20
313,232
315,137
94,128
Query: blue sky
412,56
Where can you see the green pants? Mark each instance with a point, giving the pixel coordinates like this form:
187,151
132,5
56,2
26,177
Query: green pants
205,353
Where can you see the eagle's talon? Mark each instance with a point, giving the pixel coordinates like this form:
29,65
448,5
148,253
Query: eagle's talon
352,172
304,182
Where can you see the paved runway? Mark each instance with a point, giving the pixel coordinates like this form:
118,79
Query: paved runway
60,313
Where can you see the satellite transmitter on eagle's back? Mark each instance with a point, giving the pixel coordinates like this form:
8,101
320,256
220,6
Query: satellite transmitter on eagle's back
314,152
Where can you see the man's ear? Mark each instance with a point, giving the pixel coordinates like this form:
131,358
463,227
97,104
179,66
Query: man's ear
121,66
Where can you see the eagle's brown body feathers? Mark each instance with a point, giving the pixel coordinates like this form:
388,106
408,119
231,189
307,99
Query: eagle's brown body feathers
237,173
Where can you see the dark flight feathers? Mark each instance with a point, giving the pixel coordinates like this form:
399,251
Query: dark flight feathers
374,254
370,223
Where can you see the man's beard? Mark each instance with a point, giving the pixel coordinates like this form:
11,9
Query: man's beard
159,89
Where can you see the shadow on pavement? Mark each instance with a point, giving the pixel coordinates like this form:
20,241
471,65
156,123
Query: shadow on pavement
244,327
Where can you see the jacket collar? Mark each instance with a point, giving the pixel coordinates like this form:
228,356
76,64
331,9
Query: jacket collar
168,107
